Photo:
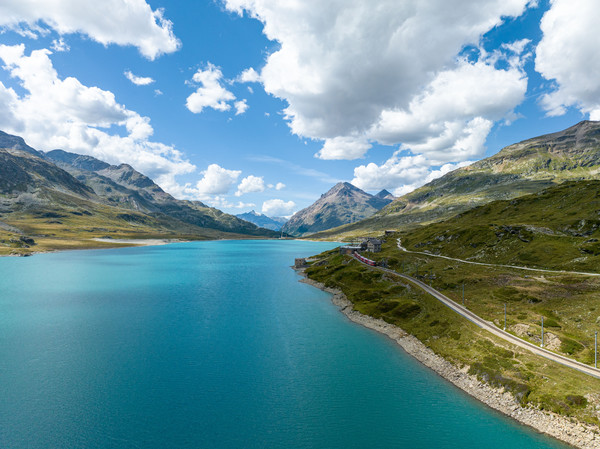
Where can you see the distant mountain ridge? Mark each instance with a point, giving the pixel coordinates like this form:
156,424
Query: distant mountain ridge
343,203
123,186
263,221
113,183
519,169
60,196
22,171
11,142
385,195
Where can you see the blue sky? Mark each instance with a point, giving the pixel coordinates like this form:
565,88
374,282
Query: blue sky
264,104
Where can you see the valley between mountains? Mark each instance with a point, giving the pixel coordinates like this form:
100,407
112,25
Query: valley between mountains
535,204
60,200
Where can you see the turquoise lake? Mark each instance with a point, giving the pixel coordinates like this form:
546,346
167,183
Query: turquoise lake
212,345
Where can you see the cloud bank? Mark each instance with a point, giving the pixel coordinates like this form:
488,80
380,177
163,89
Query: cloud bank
567,55
278,208
345,66
121,22
354,74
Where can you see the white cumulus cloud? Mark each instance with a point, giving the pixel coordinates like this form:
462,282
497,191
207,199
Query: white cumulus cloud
60,45
210,93
240,107
138,80
216,180
395,172
278,208
251,184
453,115
340,65
446,125
62,113
568,56
354,74
401,174
248,76
351,147
121,22
279,186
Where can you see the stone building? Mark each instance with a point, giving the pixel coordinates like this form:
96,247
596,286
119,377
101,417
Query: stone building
373,245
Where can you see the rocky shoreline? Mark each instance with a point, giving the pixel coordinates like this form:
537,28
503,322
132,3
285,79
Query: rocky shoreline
577,434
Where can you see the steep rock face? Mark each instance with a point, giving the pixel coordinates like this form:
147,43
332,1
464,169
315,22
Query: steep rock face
263,221
22,171
344,203
121,184
87,169
519,169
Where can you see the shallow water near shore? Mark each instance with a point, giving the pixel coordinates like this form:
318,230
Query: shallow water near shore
212,345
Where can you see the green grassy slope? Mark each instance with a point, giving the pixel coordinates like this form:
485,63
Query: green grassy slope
558,228
58,221
519,169
531,379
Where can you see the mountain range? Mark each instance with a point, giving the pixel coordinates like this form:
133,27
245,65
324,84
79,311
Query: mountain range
343,203
64,200
261,220
519,169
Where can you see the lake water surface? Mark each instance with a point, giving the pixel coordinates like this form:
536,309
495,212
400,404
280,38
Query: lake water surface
212,345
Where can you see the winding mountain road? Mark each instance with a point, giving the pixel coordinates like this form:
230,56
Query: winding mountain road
583,273
490,327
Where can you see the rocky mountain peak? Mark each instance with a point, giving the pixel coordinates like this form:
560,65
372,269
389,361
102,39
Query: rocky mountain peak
343,203
272,223
16,143
384,194
525,167
66,184
125,174
340,188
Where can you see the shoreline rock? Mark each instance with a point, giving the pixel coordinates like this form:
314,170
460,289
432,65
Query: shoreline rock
565,429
